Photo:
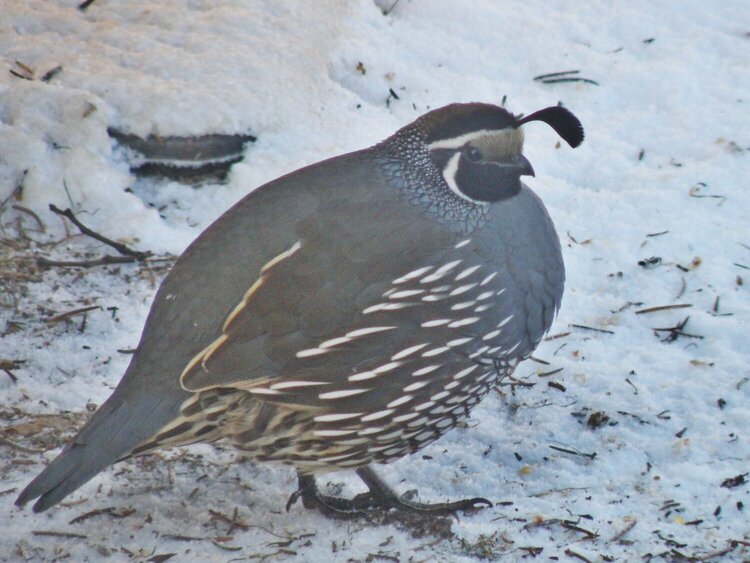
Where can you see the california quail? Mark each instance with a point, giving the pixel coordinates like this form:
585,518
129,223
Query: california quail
346,314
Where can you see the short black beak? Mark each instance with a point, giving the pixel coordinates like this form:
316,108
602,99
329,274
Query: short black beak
524,165
519,164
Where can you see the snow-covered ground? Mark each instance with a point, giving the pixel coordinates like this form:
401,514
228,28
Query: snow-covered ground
653,210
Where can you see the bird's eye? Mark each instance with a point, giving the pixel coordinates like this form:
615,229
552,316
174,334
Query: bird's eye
473,154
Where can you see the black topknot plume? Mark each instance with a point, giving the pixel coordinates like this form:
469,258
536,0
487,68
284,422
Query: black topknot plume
561,120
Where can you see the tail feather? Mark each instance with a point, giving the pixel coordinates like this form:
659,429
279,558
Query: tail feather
111,434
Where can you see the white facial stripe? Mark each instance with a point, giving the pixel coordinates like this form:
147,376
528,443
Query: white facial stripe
460,141
449,174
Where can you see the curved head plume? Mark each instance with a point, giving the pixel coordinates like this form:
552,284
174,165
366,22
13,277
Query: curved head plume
561,120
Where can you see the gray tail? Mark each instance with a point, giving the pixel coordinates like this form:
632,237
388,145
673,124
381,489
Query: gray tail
111,434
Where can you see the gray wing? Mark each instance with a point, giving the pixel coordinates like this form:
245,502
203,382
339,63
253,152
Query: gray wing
285,271
318,311
206,285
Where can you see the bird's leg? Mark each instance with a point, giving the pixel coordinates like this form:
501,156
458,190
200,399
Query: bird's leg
383,496
335,507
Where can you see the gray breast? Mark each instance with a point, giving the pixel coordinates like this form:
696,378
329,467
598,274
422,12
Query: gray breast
461,322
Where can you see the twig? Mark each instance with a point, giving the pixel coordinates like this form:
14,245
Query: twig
233,522
19,75
8,365
568,525
18,190
6,442
83,6
556,336
556,385
564,76
103,261
635,389
180,537
121,248
25,68
391,95
50,74
571,553
33,215
59,534
512,381
733,544
220,545
68,314
663,308
562,491
573,451
676,331
628,305
683,287
539,361
605,331
109,511
621,534
582,243
556,74
719,197
572,79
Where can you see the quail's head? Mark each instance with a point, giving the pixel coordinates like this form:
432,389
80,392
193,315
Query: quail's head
478,148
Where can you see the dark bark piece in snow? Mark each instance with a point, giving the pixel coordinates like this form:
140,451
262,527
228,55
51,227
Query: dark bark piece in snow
211,172
185,159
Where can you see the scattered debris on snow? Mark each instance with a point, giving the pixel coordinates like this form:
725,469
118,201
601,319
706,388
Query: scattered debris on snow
625,438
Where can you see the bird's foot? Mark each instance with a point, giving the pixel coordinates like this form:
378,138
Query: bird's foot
383,496
379,501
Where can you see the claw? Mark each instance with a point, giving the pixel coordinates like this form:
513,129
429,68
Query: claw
476,503
293,498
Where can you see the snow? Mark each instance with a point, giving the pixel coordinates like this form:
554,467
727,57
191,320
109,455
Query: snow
666,151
